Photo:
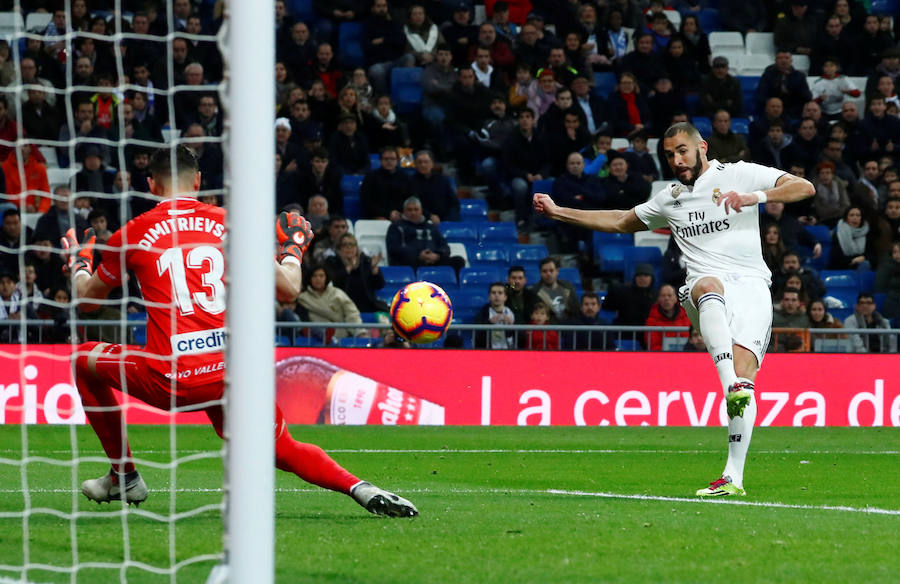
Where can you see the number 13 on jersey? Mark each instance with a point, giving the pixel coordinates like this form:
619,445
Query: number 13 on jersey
197,277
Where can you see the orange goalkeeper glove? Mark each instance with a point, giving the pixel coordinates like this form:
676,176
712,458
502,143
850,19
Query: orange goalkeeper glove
79,258
294,235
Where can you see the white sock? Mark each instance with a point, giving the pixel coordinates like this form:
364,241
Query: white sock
740,430
717,335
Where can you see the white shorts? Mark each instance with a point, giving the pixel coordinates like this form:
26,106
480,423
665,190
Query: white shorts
748,308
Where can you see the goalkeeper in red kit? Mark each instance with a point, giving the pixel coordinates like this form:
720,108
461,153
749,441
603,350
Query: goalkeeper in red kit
175,251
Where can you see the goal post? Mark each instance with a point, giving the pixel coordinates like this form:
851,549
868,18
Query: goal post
250,398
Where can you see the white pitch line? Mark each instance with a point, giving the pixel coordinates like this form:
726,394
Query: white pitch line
567,493
86,453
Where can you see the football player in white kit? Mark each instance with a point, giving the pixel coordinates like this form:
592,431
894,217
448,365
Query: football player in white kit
713,214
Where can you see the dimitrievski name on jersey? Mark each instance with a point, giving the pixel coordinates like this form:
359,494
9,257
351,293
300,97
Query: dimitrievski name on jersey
711,241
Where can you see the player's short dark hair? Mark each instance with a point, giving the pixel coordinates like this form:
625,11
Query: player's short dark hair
683,127
185,162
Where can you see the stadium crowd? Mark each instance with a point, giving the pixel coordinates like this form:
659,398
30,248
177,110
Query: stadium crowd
410,112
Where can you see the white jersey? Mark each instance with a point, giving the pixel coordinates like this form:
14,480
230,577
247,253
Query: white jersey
713,243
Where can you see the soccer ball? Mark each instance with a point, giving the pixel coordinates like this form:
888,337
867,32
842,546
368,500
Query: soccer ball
421,312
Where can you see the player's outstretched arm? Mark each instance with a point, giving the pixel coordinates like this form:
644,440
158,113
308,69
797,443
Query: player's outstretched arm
79,264
610,221
294,235
788,189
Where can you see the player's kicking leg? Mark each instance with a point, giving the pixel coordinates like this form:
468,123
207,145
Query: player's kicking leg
105,415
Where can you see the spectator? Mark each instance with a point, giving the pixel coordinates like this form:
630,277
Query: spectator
819,318
35,68
884,129
574,188
209,157
793,282
796,30
385,189
695,343
870,189
664,103
540,340
520,297
696,43
524,161
829,89
870,45
469,103
298,52
759,127
486,74
413,241
683,71
866,317
598,156
384,46
53,224
422,35
497,129
831,200
618,36
724,144
573,138
326,70
593,107
12,240
39,118
887,282
892,210
11,305
563,71
813,111
771,151
348,148
357,274
577,57
327,303
639,159
789,315
500,52
438,79
851,244
385,128
459,34
666,311
772,246
836,44
804,149
589,315
331,13
86,131
544,93
781,80
292,155
318,177
789,266
528,51
559,295
327,246
505,27
207,52
317,213
624,188
632,301
495,312
439,200
628,108
742,16
643,63
30,194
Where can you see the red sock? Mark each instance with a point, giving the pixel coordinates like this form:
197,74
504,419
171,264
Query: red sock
107,424
311,463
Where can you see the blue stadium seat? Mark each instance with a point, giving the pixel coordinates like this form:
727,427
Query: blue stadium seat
866,281
841,281
825,275
350,51
361,342
351,183
709,20
880,297
703,125
491,254
692,104
740,126
459,232
138,331
611,256
601,237
642,255
307,342
352,207
473,210
840,298
545,185
467,303
571,275
608,315
386,294
841,313
499,233
369,316
888,7
406,89
748,91
604,83
397,276
529,252
443,276
375,160
302,10
628,345
820,232
478,278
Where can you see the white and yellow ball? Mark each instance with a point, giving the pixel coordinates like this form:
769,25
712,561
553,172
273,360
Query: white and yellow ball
421,312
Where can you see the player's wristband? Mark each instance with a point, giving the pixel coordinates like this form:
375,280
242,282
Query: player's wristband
289,259
761,197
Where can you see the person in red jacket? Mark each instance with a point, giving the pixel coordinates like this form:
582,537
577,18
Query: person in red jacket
541,340
666,311
34,170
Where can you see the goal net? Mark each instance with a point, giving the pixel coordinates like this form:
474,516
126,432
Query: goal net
89,92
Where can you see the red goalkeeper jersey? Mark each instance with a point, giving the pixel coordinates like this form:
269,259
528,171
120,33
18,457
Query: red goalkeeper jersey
176,251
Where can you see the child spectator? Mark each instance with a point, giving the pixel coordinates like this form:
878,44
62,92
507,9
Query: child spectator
541,340
695,342
497,313
639,159
829,89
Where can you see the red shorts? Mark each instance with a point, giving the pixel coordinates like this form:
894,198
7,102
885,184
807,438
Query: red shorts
130,369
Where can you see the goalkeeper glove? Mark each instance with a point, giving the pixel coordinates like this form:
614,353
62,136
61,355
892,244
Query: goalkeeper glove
294,236
79,258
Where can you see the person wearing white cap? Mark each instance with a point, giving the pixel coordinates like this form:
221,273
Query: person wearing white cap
291,154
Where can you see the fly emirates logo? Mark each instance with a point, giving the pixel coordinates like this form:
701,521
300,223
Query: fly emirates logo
700,226
169,226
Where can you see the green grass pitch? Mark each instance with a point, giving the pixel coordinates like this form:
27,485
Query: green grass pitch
497,505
